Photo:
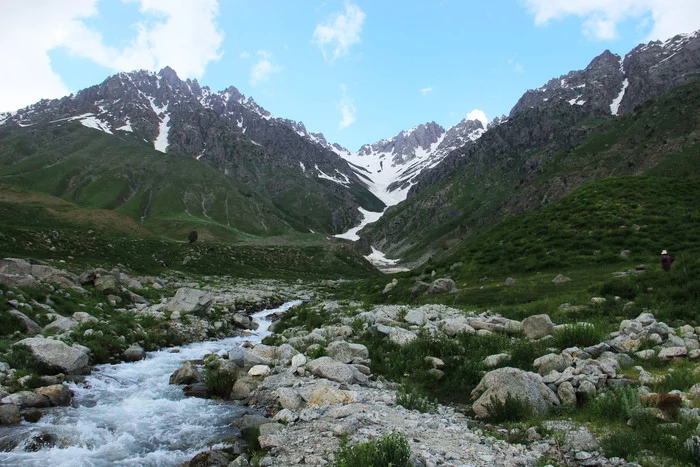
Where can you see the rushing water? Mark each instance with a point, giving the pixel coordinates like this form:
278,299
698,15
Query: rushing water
129,414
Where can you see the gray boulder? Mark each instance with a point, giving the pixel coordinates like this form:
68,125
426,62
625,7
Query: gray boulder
134,353
560,279
56,354
398,336
346,352
30,327
59,324
454,326
326,367
538,326
187,374
38,270
9,414
523,385
107,284
26,399
57,394
187,300
443,285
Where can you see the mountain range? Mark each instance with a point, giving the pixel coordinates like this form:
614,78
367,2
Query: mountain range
233,171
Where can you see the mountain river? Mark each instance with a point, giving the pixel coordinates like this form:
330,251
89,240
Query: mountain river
129,414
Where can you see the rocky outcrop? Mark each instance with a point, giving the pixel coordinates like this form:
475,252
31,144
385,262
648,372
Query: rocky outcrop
188,300
58,355
498,385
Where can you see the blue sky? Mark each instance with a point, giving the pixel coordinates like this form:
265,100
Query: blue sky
357,71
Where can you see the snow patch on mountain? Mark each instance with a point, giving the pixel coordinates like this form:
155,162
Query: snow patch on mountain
96,123
368,218
161,141
125,127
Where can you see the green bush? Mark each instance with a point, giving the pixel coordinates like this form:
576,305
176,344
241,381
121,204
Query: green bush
578,335
619,404
413,400
218,382
680,378
391,450
512,409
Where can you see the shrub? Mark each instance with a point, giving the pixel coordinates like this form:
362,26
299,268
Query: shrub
619,404
391,450
192,236
512,409
578,335
413,400
218,382
681,379
318,352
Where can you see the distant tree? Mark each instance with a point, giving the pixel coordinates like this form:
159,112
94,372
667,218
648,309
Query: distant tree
193,236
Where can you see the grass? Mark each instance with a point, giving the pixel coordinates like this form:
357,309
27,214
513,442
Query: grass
391,449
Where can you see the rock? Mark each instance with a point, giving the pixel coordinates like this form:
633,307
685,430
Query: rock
538,326
83,317
416,316
242,388
418,288
346,352
495,360
59,324
288,398
630,327
443,285
398,336
326,367
509,282
29,326
25,399
211,458
434,362
566,393
38,270
56,354
196,390
107,285
390,286
645,354
187,300
134,353
9,414
324,396
546,363
596,350
259,370
187,374
670,353
587,389
298,360
598,300
58,394
560,279
286,416
626,254
625,344
454,326
668,404
240,461
499,384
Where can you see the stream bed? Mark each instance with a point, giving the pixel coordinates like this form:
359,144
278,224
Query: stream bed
129,414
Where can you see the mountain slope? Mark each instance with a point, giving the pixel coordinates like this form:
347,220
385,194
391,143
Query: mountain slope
221,130
535,158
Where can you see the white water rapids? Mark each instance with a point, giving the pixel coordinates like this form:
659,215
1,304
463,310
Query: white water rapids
129,414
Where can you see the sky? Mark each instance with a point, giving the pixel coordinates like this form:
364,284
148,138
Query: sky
357,71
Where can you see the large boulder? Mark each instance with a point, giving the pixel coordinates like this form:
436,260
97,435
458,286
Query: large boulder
326,367
523,385
9,414
443,285
59,324
108,284
187,374
457,325
398,336
187,300
58,394
30,327
56,354
38,270
346,352
27,399
134,353
538,326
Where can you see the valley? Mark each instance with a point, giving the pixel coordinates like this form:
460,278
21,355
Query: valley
486,294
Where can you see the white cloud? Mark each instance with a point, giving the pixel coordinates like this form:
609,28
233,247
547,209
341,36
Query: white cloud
179,33
244,55
347,109
339,32
477,114
426,91
601,17
263,68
